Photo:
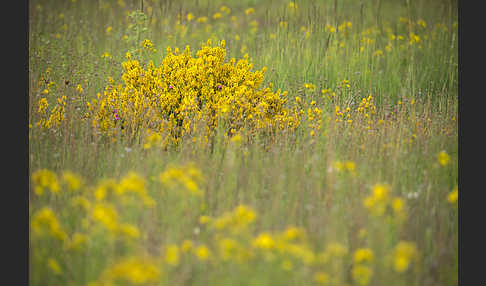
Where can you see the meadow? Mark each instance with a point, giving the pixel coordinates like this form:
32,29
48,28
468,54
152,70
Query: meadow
248,142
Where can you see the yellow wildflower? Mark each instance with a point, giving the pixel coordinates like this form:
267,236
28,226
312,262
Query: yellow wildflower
404,253
172,255
453,196
443,158
128,230
45,179
77,241
422,23
249,11
363,255
134,270
310,86
203,253
73,181
264,241
362,274
202,19
106,214
54,266
45,219
187,246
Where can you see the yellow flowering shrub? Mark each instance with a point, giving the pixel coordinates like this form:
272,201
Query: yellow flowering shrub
173,99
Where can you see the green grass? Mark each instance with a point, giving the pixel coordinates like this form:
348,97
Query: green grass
288,179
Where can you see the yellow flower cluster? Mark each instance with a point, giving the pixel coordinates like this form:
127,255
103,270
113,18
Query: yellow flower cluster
235,221
328,92
188,177
362,270
443,158
344,114
132,183
330,29
403,254
57,114
73,181
367,106
310,86
453,196
54,266
45,179
380,200
314,117
148,45
286,248
225,239
44,221
187,94
135,270
348,166
345,26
